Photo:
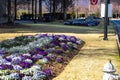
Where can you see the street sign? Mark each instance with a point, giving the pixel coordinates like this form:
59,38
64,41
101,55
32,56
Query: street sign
103,10
93,2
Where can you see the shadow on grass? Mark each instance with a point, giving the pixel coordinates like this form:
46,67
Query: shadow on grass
98,53
52,28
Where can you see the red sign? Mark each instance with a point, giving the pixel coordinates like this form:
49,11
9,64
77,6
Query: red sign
94,2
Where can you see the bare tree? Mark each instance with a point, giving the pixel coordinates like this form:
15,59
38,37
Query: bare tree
40,10
9,12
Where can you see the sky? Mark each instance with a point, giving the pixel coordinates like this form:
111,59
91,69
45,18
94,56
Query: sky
84,3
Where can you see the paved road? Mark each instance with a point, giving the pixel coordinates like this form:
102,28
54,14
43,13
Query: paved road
117,25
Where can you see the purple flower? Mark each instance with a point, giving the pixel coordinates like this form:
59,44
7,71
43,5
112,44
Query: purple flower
30,36
43,53
65,47
41,35
48,71
37,56
2,67
8,59
51,50
32,53
39,49
73,39
22,75
59,60
1,53
48,57
5,66
55,42
63,36
25,64
17,67
34,59
26,57
47,46
16,59
59,51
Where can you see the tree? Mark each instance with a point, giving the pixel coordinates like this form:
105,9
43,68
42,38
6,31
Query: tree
40,10
65,9
66,4
15,7
54,6
54,9
9,12
32,9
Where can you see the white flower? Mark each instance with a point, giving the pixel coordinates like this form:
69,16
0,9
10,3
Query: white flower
8,63
11,56
27,54
3,61
79,41
36,67
61,39
27,78
44,60
16,59
69,43
17,67
38,56
75,46
28,60
38,75
32,45
62,44
25,71
14,76
7,77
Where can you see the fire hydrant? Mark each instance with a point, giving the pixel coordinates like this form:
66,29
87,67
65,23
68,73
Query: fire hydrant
109,72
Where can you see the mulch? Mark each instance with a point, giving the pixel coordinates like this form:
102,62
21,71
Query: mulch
56,67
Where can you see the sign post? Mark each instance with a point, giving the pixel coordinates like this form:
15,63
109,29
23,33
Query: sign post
106,21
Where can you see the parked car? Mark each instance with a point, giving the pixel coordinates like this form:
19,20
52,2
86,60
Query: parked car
82,22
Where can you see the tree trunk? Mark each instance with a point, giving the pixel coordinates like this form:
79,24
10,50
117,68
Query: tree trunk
54,10
64,9
40,10
35,20
32,9
9,12
50,6
15,3
28,6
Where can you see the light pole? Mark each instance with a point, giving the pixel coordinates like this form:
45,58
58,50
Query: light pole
106,20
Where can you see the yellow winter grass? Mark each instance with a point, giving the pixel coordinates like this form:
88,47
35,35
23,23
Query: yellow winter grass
89,62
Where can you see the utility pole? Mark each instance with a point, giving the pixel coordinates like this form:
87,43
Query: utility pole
106,20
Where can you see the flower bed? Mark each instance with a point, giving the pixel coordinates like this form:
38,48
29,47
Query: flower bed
42,56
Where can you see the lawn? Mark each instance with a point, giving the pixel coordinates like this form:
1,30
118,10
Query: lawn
88,63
